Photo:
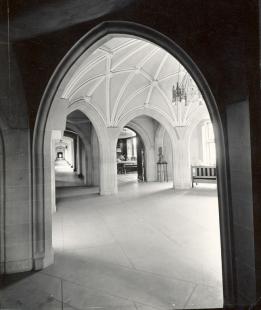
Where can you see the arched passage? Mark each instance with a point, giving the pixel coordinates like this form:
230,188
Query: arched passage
151,155
75,159
86,146
42,218
148,147
130,156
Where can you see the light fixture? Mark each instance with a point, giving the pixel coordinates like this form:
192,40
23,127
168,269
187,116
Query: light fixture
186,90
185,95
178,93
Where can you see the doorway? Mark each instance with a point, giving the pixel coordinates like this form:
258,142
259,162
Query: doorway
112,123
130,157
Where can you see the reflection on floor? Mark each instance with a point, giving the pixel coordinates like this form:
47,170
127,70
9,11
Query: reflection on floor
146,248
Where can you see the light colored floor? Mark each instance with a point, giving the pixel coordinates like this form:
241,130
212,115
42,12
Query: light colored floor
65,176
146,248
123,179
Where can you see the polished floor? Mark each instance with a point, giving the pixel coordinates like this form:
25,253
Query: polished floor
145,248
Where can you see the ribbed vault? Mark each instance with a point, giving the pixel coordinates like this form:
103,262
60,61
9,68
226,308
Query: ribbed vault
125,74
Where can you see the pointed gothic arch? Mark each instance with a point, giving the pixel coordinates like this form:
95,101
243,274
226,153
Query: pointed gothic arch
42,253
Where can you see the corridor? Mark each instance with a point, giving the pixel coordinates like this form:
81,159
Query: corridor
65,176
145,248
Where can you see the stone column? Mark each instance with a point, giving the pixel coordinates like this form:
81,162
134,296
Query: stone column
150,163
95,158
15,169
108,162
17,226
75,154
78,155
72,153
84,171
89,165
56,135
181,165
44,255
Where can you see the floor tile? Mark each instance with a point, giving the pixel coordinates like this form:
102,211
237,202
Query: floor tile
148,247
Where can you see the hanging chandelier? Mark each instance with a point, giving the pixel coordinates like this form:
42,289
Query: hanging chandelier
185,91
185,97
179,93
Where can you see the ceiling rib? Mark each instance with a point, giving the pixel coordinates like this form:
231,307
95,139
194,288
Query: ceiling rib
79,74
129,55
129,79
119,58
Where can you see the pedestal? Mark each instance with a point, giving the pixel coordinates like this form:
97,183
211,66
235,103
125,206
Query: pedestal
162,172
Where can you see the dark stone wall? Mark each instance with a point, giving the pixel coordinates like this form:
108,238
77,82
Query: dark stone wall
241,197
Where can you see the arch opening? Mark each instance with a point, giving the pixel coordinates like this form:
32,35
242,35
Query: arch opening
70,97
131,156
76,153
146,125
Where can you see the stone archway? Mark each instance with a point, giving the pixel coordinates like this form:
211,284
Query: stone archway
42,253
165,123
90,143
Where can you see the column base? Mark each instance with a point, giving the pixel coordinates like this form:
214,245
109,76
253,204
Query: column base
16,266
43,262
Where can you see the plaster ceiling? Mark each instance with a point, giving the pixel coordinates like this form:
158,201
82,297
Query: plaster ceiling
77,117
63,143
129,73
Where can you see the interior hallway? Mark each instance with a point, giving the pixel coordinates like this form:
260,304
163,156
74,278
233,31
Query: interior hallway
130,251
65,175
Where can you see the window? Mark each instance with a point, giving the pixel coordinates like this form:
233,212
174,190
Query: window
209,146
131,148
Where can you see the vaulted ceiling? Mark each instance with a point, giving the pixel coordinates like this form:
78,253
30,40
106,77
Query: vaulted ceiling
126,74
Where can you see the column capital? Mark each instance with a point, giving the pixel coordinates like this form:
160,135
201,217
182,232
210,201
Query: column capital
113,132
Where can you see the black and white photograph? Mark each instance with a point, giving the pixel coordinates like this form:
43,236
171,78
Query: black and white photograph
130,154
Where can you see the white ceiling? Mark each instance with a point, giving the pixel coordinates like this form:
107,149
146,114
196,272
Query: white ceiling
127,133
128,73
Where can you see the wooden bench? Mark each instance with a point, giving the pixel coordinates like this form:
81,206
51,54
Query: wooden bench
203,174
124,167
